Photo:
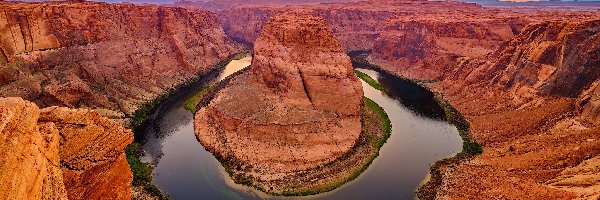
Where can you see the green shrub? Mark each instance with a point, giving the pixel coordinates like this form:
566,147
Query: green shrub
192,102
142,172
372,82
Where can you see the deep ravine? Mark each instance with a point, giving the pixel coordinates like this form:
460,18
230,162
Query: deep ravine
420,136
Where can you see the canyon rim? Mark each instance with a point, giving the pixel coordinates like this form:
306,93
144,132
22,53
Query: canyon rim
517,82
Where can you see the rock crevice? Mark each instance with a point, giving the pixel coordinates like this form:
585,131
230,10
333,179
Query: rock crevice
61,153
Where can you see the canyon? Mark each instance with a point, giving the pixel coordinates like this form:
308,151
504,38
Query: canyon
74,76
529,102
114,57
525,80
103,65
296,109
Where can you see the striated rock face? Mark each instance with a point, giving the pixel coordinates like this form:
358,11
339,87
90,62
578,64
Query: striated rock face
552,58
98,55
531,104
29,152
60,153
588,103
92,153
355,24
296,109
428,47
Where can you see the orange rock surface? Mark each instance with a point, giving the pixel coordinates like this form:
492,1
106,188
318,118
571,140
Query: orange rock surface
297,108
61,153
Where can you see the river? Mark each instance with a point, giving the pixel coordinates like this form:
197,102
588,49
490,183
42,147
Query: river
420,137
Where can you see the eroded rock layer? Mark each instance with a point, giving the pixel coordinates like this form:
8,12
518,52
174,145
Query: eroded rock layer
61,153
531,104
355,24
297,108
99,55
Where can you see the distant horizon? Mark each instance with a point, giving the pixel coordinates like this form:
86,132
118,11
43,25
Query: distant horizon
484,3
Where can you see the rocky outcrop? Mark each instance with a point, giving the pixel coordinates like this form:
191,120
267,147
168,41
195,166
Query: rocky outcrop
99,55
92,153
297,108
61,153
30,167
588,103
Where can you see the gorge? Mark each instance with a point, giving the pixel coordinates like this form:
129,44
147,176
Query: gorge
86,86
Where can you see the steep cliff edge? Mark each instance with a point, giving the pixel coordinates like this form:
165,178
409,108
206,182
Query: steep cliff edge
61,153
99,55
356,25
296,109
530,103
428,47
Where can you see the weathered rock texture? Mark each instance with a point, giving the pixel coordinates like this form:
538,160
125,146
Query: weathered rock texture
60,153
30,167
356,25
99,55
299,106
532,103
430,46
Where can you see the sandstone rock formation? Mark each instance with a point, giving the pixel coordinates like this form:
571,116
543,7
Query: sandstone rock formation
99,55
297,108
430,46
30,167
356,25
531,103
61,153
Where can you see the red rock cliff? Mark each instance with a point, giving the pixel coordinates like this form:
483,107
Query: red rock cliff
428,47
99,55
531,103
355,24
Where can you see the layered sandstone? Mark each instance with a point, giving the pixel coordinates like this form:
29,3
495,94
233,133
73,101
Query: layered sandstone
553,58
61,153
355,24
531,104
297,108
99,55
430,46
30,167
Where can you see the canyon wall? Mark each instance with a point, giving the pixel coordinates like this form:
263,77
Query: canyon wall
61,153
428,47
355,24
99,55
531,101
297,108
552,58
